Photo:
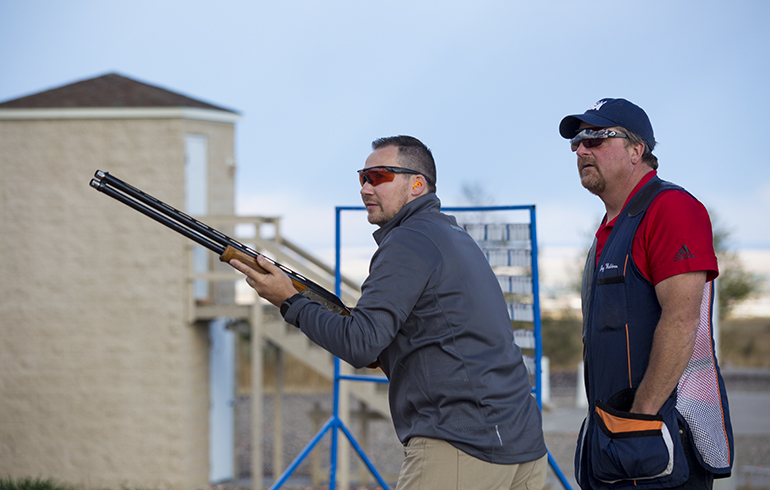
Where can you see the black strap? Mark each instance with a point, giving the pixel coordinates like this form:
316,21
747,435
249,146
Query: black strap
648,192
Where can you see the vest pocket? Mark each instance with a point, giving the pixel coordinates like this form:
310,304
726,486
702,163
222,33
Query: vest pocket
630,446
611,302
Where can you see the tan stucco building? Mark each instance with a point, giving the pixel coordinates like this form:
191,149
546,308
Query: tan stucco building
103,367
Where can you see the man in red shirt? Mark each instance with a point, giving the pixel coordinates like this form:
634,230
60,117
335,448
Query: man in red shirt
671,262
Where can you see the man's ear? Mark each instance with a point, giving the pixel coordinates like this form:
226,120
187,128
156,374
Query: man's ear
635,151
420,186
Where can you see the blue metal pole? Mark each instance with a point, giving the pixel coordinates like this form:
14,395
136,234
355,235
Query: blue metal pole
335,425
536,308
362,377
363,457
338,377
336,399
309,447
559,474
539,337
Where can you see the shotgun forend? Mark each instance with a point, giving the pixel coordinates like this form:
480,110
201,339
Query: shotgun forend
226,247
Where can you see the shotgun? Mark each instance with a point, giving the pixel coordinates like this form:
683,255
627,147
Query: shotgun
227,248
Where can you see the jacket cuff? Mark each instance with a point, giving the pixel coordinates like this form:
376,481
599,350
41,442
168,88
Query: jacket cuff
291,307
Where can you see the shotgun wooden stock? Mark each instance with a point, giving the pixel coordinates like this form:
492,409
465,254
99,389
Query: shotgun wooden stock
227,248
231,253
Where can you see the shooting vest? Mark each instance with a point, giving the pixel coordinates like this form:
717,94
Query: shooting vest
617,449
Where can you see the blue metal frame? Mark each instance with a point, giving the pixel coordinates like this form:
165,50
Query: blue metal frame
335,422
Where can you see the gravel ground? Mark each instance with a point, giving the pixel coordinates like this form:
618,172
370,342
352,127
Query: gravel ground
752,450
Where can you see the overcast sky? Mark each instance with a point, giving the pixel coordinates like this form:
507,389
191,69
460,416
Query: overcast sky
484,84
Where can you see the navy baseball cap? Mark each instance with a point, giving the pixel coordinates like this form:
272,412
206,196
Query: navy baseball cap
611,112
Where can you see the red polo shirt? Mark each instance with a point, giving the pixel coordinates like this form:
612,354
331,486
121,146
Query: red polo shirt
674,236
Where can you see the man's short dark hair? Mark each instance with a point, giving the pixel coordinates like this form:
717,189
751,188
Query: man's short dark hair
412,154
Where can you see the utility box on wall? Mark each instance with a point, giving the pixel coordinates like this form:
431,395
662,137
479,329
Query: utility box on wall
103,368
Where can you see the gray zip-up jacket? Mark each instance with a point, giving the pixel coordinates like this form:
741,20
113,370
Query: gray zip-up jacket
433,312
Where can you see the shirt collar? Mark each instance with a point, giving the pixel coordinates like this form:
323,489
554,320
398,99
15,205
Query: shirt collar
428,202
646,178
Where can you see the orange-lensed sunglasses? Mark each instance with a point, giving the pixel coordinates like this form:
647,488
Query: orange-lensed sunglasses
380,175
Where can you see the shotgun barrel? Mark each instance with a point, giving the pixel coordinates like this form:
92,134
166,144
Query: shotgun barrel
226,247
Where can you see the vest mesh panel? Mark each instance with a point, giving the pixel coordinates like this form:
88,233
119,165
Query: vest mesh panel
698,398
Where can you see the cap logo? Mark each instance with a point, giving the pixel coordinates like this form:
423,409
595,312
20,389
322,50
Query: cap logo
597,106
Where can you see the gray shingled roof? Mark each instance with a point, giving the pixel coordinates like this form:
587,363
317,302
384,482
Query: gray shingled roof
111,90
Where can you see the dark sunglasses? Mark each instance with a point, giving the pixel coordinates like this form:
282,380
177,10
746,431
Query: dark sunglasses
592,138
380,175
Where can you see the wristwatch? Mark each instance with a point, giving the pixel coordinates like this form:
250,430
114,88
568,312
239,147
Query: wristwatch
286,304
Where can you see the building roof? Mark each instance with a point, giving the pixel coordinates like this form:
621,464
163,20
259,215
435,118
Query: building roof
107,91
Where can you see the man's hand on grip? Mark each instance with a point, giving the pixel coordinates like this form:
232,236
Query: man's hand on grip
273,285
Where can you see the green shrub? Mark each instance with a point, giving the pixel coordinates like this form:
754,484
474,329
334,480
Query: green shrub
32,484
562,341
41,484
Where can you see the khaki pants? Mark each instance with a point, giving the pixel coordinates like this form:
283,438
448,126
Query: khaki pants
434,464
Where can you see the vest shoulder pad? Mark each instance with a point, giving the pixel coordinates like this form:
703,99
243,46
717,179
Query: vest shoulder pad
646,195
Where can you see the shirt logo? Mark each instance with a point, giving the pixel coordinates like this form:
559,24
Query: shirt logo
607,266
684,253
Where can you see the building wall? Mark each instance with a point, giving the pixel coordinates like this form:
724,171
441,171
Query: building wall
103,374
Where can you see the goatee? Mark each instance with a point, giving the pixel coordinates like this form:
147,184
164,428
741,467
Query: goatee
590,176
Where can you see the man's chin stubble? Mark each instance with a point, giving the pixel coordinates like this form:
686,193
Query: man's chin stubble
594,186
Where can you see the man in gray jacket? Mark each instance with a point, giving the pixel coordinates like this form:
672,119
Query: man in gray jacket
433,315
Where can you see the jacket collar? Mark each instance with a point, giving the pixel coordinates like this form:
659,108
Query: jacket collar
429,202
